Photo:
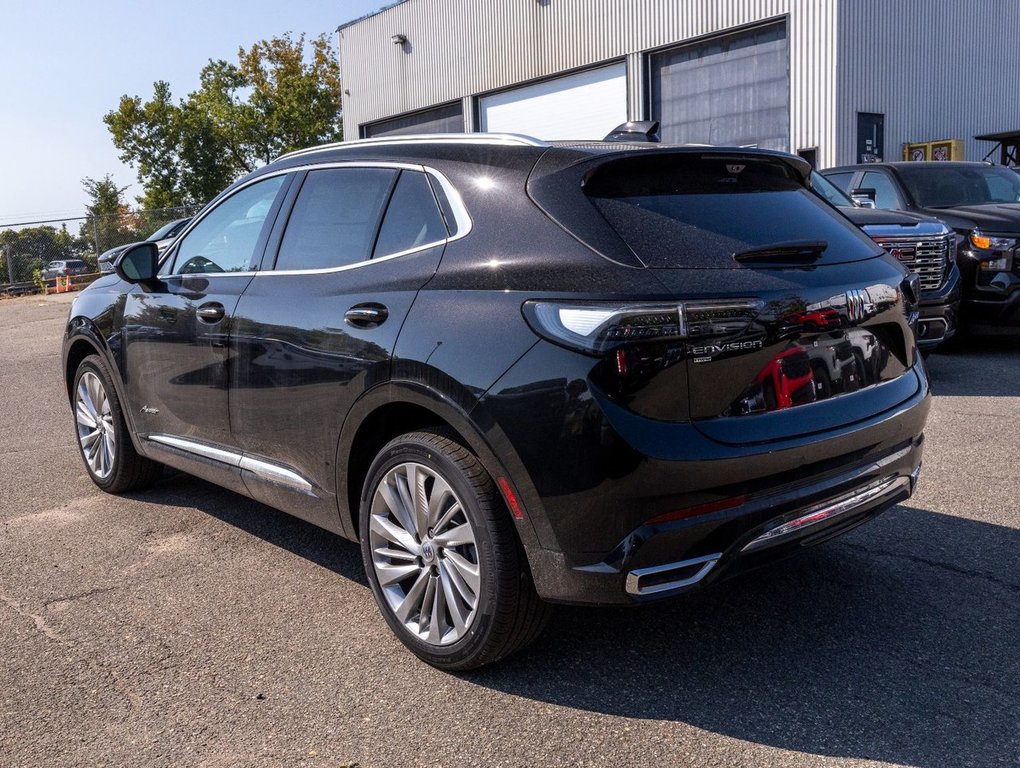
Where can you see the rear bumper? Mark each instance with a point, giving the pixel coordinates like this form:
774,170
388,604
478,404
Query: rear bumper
660,561
627,509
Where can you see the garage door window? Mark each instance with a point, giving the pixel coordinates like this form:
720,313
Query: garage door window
729,91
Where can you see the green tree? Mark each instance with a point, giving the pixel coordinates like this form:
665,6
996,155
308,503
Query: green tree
108,218
33,248
273,100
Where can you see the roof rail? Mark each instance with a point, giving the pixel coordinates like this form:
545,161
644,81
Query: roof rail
496,139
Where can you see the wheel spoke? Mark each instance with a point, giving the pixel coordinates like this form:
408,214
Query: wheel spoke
459,584
448,515
83,416
392,533
413,598
394,574
428,604
466,570
455,537
395,502
438,614
395,554
416,478
441,491
87,441
456,614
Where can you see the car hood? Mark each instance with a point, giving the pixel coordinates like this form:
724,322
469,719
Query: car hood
993,217
864,216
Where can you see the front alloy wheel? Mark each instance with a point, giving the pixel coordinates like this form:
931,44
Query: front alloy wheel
94,417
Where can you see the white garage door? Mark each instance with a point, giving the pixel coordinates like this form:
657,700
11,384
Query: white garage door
585,105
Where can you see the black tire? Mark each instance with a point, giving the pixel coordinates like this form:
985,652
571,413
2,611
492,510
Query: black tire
127,470
508,614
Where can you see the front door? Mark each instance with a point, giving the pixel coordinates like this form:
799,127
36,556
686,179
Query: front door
176,336
870,137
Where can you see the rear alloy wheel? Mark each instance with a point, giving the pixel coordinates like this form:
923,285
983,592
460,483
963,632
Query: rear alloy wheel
442,557
103,440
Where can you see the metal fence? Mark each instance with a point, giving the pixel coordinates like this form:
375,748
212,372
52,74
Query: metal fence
26,248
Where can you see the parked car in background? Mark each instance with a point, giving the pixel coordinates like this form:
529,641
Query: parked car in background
162,237
64,267
516,372
981,202
924,245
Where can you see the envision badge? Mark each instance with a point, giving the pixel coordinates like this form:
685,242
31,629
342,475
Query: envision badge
147,409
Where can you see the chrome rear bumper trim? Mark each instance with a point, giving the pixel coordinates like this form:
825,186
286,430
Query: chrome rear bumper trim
634,578
827,511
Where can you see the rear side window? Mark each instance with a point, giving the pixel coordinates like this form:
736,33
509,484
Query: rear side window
697,211
335,218
412,217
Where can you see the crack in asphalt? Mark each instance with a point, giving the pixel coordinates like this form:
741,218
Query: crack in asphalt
79,596
40,622
1008,585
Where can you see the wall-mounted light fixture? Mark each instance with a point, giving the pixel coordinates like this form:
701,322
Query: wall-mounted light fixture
398,39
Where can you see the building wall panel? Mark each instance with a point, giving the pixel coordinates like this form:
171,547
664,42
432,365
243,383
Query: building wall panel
459,48
937,69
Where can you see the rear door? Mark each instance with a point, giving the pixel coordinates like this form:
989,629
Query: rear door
317,326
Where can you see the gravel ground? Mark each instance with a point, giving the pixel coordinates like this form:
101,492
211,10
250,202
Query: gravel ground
187,625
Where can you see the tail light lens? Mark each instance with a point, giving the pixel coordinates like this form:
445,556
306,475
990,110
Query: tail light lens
597,328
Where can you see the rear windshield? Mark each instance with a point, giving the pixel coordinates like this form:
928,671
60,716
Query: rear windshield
698,211
945,186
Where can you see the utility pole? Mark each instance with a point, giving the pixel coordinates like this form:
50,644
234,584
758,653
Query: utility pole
10,267
95,235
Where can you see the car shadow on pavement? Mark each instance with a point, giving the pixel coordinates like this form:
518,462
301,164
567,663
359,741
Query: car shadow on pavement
899,643
977,367
271,525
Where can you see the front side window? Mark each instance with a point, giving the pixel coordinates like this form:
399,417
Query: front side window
885,191
225,240
934,185
335,218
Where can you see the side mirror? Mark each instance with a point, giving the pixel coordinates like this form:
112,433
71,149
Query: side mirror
138,263
864,197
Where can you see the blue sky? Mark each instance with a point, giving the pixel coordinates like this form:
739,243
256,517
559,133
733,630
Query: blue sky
63,65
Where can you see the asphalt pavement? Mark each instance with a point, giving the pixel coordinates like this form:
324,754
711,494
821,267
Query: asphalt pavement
187,625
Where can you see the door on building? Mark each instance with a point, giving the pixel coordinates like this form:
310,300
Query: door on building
870,137
731,90
582,105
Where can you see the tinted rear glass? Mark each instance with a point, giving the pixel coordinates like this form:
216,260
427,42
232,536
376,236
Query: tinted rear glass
697,211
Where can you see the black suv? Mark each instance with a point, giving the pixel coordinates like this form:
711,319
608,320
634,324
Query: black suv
516,372
981,202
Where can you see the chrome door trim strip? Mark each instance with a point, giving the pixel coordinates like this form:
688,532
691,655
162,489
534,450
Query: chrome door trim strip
265,471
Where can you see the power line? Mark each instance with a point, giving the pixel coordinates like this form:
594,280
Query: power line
45,221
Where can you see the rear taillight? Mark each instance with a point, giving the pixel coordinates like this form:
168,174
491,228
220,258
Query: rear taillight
597,328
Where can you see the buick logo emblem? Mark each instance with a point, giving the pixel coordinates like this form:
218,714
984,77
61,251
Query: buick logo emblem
428,551
857,306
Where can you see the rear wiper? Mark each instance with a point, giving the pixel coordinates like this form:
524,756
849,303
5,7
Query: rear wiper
796,250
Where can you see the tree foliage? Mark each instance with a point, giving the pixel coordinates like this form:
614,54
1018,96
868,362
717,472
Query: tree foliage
108,218
34,247
273,100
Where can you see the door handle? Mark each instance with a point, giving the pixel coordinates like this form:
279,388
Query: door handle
211,312
366,315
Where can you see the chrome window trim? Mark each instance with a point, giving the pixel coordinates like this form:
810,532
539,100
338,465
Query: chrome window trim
461,216
266,471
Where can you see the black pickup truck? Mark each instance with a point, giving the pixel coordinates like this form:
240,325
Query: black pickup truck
924,245
981,202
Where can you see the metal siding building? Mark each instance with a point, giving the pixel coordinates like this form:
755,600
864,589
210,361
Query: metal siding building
927,69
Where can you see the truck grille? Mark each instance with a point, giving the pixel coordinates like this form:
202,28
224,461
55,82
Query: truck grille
927,257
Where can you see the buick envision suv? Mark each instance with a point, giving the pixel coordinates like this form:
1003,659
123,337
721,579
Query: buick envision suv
517,373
